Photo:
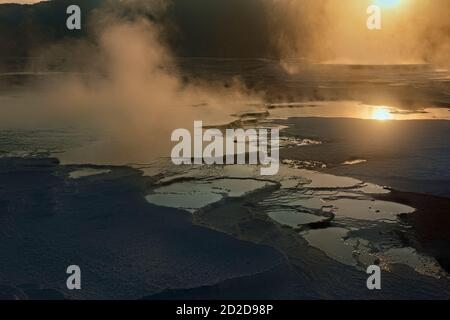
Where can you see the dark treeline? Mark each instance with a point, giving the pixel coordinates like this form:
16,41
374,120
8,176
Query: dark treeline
197,28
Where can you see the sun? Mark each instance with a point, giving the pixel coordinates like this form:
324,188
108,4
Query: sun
381,114
388,3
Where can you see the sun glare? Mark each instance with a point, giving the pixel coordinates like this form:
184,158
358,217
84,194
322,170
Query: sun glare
381,114
388,3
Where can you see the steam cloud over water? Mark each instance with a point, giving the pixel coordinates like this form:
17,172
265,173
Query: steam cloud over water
355,111
335,31
128,87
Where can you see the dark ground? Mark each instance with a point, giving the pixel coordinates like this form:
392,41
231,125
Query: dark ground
130,249
126,248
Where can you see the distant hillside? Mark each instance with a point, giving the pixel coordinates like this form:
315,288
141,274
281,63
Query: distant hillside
25,27
217,28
